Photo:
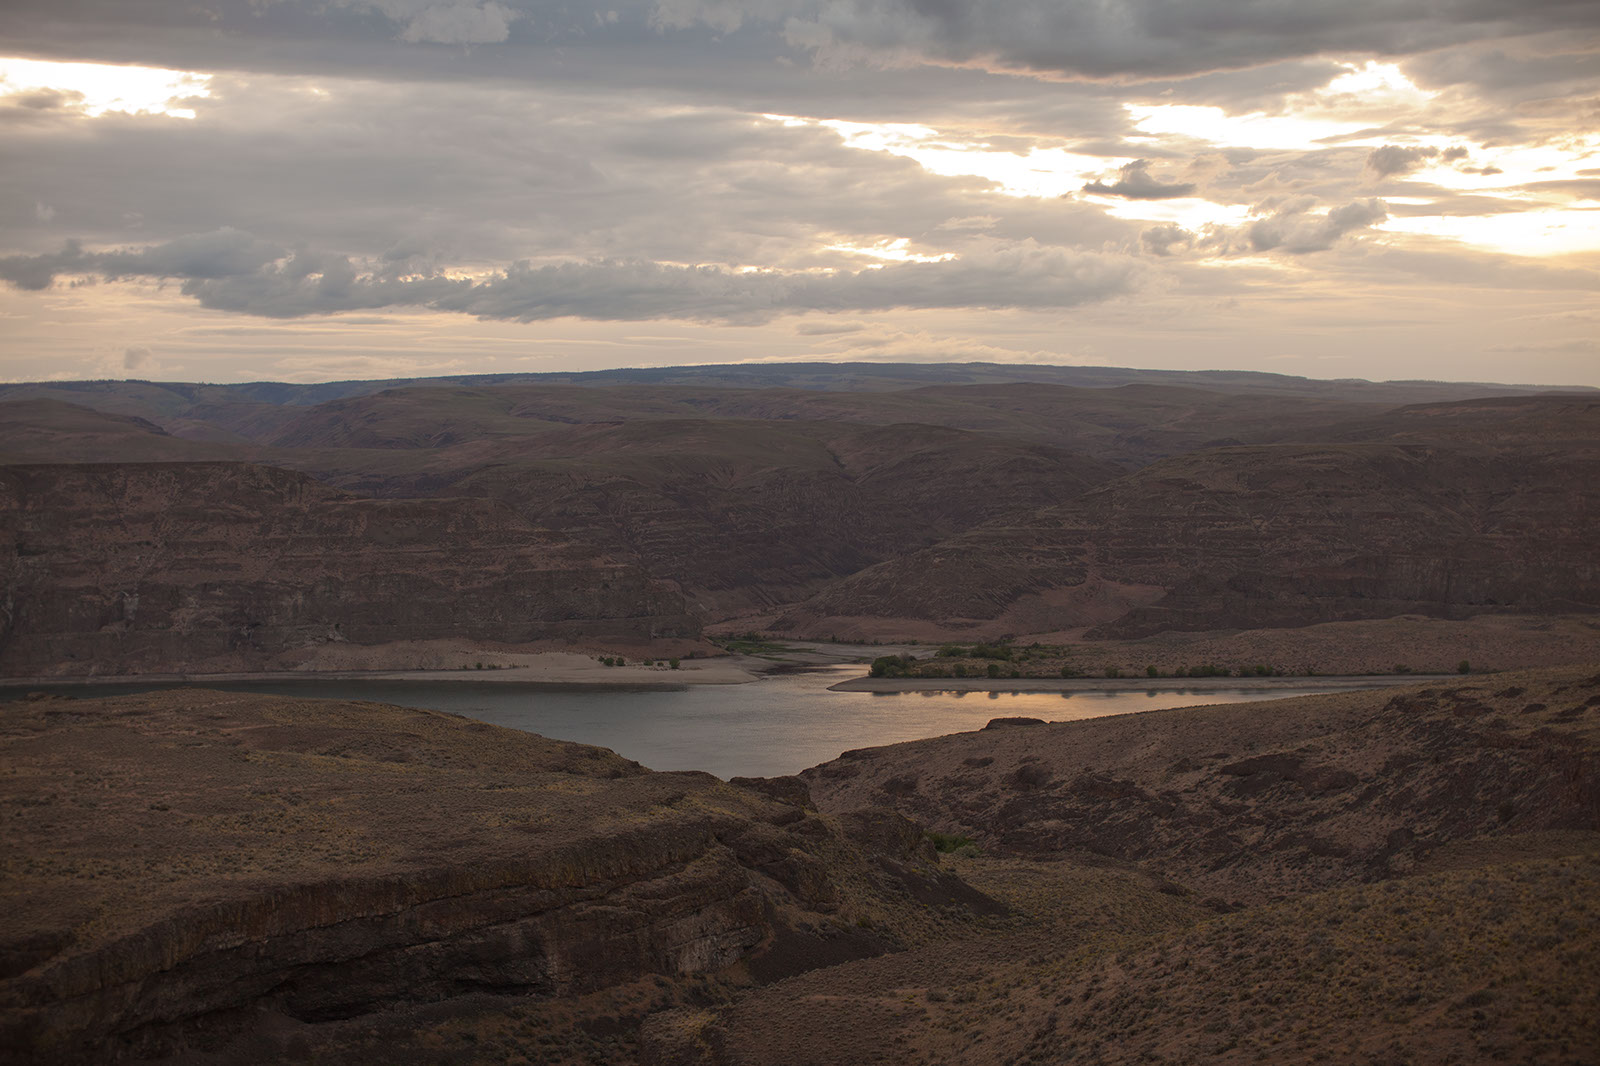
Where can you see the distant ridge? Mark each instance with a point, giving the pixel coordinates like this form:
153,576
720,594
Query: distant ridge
136,396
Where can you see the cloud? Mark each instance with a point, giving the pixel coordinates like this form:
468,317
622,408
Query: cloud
1135,183
220,254
233,271
1392,159
460,23
136,357
1293,228
827,329
1126,37
1162,240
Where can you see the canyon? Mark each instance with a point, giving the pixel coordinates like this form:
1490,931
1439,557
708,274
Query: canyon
850,502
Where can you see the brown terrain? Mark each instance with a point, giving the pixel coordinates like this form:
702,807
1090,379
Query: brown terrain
157,567
1457,509
1401,875
852,502
1398,875
234,875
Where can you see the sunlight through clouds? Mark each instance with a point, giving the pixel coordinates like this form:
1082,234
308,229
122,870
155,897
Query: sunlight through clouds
1075,172
1040,172
1526,233
99,88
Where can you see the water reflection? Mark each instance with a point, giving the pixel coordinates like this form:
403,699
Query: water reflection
776,726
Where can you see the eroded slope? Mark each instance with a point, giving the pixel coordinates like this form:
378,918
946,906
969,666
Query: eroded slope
183,868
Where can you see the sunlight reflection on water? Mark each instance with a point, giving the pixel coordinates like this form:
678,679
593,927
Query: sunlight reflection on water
779,725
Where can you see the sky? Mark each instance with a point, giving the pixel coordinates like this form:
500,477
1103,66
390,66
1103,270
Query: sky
306,190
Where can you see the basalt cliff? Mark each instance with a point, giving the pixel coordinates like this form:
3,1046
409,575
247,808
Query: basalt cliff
155,567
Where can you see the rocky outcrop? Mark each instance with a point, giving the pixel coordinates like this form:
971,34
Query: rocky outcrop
1247,804
155,567
319,861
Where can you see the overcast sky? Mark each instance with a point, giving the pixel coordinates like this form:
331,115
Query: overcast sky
228,190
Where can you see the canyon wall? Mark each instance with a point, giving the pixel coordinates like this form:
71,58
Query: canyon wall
154,567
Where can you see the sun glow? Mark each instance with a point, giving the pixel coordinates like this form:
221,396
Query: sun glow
1531,233
1216,127
1036,172
96,89
897,251
1365,96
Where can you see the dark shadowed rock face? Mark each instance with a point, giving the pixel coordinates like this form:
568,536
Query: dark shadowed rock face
1452,510
151,567
1257,801
182,864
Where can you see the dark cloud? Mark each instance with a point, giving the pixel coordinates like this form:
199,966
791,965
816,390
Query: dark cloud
1135,183
221,254
234,272
1141,37
1155,39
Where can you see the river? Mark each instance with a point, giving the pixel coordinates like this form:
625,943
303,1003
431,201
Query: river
779,725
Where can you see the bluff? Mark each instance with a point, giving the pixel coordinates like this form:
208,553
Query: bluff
239,874
151,567
1445,511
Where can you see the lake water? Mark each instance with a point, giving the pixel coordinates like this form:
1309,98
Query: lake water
779,725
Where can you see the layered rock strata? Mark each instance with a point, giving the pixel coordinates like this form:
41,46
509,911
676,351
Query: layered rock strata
153,567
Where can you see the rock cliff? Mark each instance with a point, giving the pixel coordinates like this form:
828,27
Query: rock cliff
151,567
1249,804
1459,509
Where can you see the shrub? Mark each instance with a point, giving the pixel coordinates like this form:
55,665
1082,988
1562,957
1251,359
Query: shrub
672,663
1151,671
891,665
992,651
480,666
993,670
959,670
1069,671
1112,671
948,842
1463,667
952,651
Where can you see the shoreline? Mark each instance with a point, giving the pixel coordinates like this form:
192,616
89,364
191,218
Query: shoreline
614,677
1127,684
624,678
